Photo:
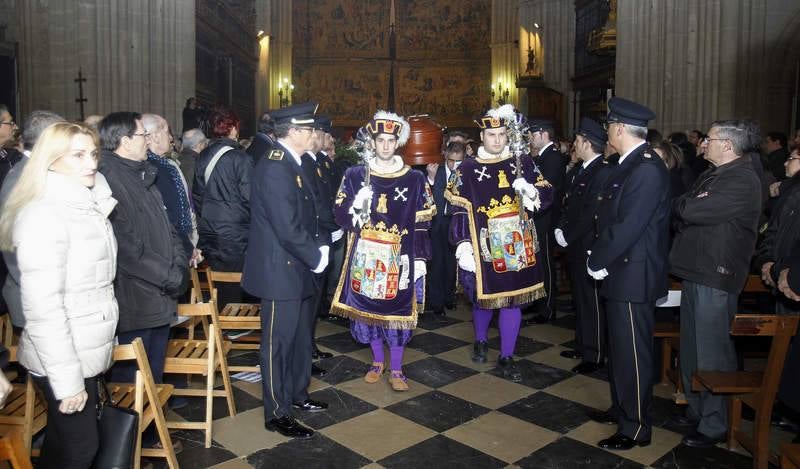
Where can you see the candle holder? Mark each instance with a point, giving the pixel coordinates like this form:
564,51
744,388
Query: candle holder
285,90
500,92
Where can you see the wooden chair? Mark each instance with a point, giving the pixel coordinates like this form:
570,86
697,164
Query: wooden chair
25,410
757,390
237,317
790,456
201,357
12,449
147,399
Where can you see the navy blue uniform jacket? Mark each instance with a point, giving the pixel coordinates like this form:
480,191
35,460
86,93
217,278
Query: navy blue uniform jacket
633,229
284,233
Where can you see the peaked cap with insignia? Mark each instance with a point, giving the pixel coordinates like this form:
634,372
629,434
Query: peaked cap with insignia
385,122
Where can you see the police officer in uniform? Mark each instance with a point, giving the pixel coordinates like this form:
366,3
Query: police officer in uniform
630,256
553,165
286,249
576,232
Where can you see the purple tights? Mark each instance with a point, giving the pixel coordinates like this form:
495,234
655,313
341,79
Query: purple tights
510,319
395,355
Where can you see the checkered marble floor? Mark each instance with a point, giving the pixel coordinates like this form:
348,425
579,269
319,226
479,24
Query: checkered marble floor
456,414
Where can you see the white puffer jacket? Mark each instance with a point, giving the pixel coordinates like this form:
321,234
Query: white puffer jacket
67,260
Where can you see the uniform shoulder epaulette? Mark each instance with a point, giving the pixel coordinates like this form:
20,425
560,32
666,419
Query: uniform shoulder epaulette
276,155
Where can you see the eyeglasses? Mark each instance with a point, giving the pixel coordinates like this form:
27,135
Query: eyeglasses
792,158
709,140
310,129
10,123
143,134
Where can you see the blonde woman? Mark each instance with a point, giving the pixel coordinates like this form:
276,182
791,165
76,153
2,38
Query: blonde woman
56,221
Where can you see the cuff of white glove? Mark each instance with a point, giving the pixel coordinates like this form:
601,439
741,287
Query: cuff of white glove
420,269
323,262
560,239
337,235
464,249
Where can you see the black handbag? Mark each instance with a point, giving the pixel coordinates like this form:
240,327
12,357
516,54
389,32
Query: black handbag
117,428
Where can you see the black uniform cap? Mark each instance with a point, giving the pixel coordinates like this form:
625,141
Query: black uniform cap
627,112
297,114
592,131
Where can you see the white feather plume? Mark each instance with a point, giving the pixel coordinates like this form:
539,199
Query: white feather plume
405,130
504,112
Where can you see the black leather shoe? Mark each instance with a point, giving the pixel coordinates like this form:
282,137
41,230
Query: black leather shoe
509,369
621,442
450,305
319,355
698,440
479,351
288,426
317,371
540,319
602,417
683,421
586,367
311,405
440,312
571,354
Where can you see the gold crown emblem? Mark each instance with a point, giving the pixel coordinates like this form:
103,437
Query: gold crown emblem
379,232
506,206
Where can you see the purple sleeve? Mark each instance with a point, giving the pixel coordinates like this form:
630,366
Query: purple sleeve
534,176
344,200
425,210
459,226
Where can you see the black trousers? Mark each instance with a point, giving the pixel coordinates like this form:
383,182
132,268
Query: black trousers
631,367
442,277
285,354
318,302
547,305
71,440
590,314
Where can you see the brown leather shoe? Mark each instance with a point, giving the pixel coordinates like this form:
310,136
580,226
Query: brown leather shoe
398,381
374,373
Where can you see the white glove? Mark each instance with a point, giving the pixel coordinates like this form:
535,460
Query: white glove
530,195
419,269
560,238
363,195
323,262
337,235
597,275
466,257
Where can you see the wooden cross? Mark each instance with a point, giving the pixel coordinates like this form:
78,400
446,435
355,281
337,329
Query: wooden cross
80,100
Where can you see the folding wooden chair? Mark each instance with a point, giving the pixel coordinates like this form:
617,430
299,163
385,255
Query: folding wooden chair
12,449
790,456
237,317
201,357
757,390
25,410
147,399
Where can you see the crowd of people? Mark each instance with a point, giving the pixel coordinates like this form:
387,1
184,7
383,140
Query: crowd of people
102,220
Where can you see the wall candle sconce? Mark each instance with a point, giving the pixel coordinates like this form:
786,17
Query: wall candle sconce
285,90
501,93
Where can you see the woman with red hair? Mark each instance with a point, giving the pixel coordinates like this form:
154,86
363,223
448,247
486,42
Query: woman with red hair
221,196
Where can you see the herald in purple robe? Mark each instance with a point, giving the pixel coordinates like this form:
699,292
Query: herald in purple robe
487,215
377,285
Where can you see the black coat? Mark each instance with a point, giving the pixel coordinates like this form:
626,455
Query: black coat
774,163
152,266
286,236
716,224
323,193
223,205
577,217
553,167
633,229
260,146
782,232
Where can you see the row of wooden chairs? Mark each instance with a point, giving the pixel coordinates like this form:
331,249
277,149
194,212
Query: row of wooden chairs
25,412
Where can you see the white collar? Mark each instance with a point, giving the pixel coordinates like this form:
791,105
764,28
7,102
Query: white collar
488,156
587,163
397,165
291,152
27,153
545,148
312,155
622,158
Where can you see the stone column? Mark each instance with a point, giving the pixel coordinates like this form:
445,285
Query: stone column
505,49
280,57
696,61
263,23
136,55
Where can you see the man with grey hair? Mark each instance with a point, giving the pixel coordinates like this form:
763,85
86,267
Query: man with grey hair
33,126
717,226
193,141
629,254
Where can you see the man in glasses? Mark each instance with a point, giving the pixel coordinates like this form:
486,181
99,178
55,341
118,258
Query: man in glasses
716,222
629,254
